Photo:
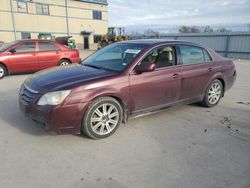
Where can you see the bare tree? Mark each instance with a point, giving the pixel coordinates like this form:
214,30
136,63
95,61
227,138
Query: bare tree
189,29
208,29
184,29
223,30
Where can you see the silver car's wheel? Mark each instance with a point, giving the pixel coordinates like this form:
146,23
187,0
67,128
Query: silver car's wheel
213,94
2,71
102,118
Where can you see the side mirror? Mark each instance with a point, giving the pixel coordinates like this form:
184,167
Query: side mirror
145,67
12,50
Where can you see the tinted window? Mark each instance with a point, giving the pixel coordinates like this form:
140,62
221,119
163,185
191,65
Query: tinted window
97,15
207,56
115,57
47,46
191,54
26,47
162,57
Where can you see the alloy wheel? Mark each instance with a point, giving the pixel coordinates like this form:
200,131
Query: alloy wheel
214,93
104,119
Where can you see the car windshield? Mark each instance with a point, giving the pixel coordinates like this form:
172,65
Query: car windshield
115,57
8,45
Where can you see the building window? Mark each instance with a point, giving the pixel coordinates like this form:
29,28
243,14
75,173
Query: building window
22,6
97,38
97,15
25,35
42,9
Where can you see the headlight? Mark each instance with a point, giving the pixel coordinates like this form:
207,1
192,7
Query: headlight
53,98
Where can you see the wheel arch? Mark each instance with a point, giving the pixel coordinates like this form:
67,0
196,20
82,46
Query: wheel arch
65,58
223,84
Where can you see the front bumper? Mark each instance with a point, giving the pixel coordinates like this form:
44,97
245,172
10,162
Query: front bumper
61,119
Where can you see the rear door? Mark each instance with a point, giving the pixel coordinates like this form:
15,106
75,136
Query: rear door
197,70
159,88
23,57
48,55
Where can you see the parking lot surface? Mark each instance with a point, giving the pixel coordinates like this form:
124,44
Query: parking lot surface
182,146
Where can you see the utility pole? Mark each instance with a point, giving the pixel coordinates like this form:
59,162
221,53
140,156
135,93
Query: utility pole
67,18
13,19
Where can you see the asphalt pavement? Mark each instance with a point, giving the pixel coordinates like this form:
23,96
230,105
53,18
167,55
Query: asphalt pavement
183,146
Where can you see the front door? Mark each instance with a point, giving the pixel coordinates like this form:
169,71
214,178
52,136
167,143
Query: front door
159,88
23,57
86,42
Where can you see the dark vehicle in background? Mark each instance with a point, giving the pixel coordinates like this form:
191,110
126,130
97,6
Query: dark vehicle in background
122,80
33,55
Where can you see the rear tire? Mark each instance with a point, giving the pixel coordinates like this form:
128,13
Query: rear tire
214,93
102,118
3,71
64,62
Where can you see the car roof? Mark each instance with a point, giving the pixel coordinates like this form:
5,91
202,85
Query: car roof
35,40
158,41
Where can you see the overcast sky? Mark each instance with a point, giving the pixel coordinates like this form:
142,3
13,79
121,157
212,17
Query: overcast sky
162,13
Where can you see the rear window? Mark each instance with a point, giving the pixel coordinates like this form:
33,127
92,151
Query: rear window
47,46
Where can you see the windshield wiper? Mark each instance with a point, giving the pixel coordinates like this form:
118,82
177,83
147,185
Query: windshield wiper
93,66
102,68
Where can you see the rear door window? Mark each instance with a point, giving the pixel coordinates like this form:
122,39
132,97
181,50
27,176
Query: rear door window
47,46
191,54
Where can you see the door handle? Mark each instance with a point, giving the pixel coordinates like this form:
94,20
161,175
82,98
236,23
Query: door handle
210,69
175,76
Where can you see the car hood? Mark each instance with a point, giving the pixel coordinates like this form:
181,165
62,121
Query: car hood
65,77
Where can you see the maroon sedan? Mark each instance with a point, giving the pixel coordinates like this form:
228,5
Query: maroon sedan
122,80
32,55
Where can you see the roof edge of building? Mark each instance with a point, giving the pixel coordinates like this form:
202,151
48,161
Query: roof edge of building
101,2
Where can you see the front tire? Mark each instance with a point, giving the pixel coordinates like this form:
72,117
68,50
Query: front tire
102,118
213,94
3,71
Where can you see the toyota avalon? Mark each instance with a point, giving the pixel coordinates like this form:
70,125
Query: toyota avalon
122,80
